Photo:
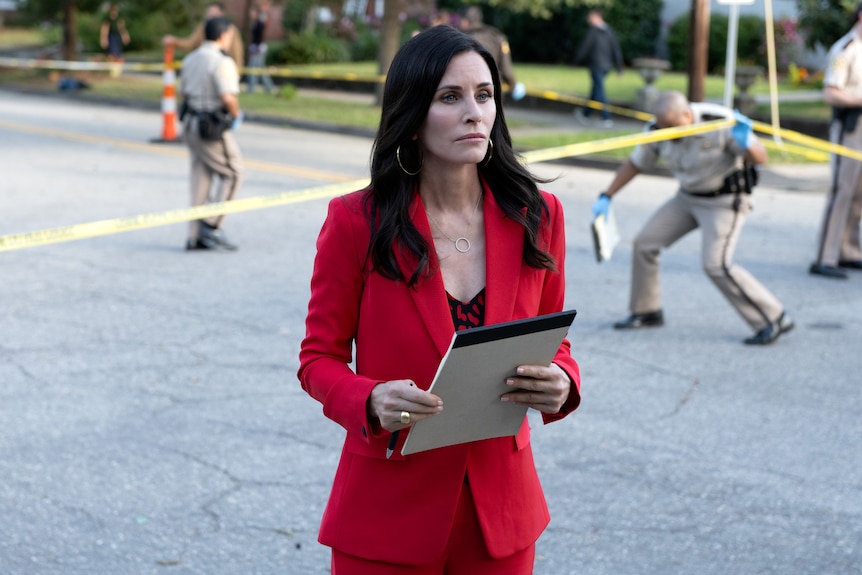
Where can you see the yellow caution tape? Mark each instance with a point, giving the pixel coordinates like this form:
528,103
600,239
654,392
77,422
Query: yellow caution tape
115,67
784,147
625,141
30,64
118,225
618,110
815,143
819,145
288,73
127,224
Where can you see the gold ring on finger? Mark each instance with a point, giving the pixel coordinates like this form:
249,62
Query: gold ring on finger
405,418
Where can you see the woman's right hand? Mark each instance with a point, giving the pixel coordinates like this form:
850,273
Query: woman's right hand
389,399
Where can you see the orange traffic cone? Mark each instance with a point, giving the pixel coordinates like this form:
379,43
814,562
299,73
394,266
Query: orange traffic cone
169,99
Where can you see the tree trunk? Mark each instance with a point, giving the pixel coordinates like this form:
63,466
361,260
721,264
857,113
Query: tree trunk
247,23
70,30
390,40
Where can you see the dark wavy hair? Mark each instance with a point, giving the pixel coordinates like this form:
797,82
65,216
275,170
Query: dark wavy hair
215,27
412,81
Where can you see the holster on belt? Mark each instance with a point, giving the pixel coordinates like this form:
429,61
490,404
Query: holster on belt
741,181
847,116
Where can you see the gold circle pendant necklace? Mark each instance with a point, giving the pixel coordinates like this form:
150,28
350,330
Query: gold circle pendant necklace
462,244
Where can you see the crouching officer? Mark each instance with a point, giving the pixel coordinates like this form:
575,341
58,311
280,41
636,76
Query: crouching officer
210,86
714,195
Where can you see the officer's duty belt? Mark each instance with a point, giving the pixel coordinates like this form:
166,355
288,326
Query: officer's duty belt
733,184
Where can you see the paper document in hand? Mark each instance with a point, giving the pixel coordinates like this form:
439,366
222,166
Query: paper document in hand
606,236
472,377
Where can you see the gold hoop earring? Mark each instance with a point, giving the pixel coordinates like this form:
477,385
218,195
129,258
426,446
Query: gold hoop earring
490,153
403,169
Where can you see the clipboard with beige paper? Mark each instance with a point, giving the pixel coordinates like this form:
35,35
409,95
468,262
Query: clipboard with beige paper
472,377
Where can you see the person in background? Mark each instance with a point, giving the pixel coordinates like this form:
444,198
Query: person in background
113,34
838,245
439,18
213,10
257,50
451,233
496,43
600,53
715,196
210,87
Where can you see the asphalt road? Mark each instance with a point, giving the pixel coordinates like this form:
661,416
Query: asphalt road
151,421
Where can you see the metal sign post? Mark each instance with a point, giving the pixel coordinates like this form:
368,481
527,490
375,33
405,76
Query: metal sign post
730,62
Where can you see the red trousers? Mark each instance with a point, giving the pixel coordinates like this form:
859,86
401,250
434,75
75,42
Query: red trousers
465,553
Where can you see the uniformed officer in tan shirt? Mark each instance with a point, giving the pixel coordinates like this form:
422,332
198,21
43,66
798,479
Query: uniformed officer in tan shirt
838,247
213,10
493,40
711,197
210,83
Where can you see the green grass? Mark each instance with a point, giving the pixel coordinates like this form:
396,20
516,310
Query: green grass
574,81
22,37
808,110
313,109
526,135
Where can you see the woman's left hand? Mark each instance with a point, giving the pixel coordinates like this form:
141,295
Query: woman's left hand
543,388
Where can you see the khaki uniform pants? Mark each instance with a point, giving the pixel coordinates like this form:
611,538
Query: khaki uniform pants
219,158
839,228
720,225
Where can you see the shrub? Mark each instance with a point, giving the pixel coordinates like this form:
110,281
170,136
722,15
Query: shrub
287,91
89,27
296,14
749,47
824,22
311,48
637,26
145,30
788,43
365,46
358,35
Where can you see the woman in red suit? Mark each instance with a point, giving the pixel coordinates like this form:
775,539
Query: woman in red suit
451,233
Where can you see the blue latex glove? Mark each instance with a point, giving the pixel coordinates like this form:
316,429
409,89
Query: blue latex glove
601,206
519,91
741,130
237,122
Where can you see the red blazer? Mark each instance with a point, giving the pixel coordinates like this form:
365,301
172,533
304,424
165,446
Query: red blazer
401,510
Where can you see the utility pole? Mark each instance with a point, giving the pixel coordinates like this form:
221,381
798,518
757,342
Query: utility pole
390,40
70,27
698,49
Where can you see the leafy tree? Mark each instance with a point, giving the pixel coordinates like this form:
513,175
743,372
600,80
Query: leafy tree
823,22
547,9
637,24
170,14
749,42
64,12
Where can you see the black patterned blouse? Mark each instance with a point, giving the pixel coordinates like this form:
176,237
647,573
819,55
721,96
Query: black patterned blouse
467,314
